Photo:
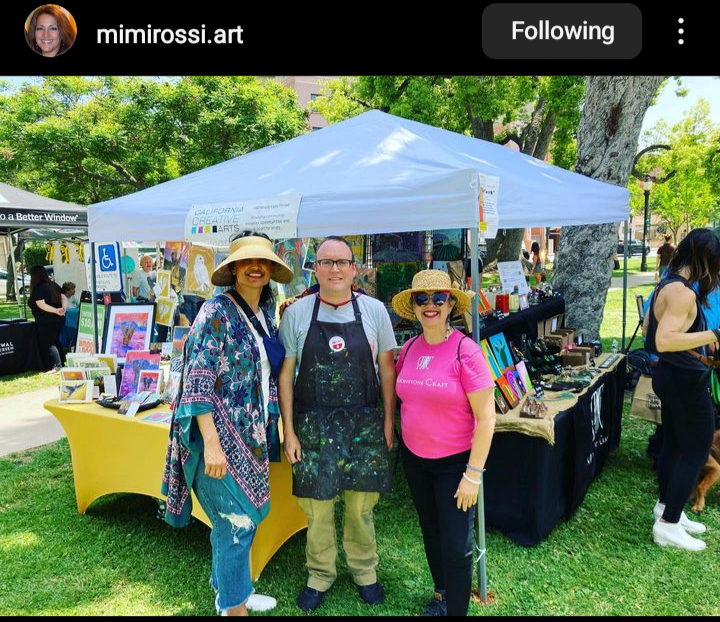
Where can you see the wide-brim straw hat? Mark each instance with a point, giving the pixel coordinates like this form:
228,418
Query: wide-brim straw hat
429,281
251,247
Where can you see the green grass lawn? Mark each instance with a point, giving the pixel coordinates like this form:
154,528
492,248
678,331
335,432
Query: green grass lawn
634,265
119,559
11,310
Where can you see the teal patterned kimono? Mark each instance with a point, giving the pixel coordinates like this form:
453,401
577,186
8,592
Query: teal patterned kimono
222,375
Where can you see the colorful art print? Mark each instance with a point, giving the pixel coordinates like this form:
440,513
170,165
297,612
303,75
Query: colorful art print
159,417
155,348
128,327
176,260
72,374
490,358
201,264
397,247
85,342
179,336
172,384
500,401
89,362
110,360
163,282
292,251
501,351
524,376
393,278
366,279
75,392
136,362
165,311
96,374
524,302
507,392
311,245
447,244
515,385
357,243
149,380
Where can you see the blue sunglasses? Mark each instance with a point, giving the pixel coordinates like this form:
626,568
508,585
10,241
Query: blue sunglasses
421,299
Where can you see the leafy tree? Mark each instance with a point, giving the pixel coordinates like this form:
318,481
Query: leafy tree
91,139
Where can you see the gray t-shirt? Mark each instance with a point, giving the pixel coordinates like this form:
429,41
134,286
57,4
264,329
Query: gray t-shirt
295,324
143,281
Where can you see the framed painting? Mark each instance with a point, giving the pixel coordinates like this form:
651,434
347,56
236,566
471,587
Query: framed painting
128,327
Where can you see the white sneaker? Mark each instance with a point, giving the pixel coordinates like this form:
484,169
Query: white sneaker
691,526
259,602
672,534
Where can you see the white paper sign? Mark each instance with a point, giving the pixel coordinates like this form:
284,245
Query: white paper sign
217,223
512,274
488,205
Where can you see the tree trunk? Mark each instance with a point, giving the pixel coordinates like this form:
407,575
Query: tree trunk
607,142
546,133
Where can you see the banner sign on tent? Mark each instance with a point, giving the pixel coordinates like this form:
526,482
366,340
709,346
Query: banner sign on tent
17,216
108,266
488,205
217,223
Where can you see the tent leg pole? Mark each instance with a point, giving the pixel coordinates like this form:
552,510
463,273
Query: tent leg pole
93,290
18,298
476,285
625,267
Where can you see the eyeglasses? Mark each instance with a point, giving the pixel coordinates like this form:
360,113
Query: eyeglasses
421,299
340,263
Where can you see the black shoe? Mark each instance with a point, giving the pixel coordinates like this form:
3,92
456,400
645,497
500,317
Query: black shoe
436,607
372,594
310,599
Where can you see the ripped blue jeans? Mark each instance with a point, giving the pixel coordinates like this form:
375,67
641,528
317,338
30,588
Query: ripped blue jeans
231,537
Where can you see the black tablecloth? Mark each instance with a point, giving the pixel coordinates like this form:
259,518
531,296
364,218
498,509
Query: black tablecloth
515,324
531,485
18,348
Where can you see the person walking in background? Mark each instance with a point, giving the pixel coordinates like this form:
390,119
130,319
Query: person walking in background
538,267
663,257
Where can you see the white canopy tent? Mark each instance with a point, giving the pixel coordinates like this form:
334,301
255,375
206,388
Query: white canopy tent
375,173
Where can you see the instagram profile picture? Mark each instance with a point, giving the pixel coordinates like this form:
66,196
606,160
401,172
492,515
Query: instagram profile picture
50,30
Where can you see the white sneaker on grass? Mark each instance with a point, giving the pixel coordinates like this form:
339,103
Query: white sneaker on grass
691,526
260,602
672,534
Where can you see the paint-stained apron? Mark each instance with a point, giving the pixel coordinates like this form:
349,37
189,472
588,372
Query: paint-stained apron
336,414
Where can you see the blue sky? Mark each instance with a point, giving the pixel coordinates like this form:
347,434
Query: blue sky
668,107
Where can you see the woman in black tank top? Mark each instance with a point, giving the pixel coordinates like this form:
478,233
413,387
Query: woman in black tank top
676,332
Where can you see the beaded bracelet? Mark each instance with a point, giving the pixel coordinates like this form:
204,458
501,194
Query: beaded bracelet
472,468
471,480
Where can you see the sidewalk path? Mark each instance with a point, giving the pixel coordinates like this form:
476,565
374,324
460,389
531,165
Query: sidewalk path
642,278
25,424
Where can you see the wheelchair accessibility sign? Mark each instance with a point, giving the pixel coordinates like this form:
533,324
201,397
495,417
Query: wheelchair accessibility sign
108,267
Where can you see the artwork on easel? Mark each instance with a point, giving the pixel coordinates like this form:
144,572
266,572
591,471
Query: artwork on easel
201,264
176,260
128,327
502,351
292,251
447,245
490,358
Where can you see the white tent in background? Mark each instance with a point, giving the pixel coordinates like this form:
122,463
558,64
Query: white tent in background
375,173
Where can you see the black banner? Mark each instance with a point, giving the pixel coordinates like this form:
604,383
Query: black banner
19,217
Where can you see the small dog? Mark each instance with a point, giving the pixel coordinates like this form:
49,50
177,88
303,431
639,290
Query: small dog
709,475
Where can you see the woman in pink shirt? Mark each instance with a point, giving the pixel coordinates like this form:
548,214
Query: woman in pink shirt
448,417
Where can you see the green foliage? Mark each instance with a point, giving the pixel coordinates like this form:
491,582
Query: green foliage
34,255
691,198
91,139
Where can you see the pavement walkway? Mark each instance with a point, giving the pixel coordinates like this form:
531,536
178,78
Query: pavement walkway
24,422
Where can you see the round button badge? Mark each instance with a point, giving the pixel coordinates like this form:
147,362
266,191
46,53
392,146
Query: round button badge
337,344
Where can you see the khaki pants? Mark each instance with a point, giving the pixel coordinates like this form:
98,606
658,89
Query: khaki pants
358,539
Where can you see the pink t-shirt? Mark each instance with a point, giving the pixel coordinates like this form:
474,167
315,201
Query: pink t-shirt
436,417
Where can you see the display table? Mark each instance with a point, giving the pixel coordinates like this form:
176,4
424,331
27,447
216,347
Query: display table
18,348
530,484
522,322
112,453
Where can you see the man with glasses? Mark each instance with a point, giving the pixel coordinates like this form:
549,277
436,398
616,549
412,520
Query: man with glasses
335,435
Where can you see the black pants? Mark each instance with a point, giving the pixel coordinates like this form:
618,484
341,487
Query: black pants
688,424
447,531
48,340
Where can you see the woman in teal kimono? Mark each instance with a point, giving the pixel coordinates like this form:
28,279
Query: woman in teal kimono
224,430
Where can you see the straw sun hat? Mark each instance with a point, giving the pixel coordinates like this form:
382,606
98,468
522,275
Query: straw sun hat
429,281
251,247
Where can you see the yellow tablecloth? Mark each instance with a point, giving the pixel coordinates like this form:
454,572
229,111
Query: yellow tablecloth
112,453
